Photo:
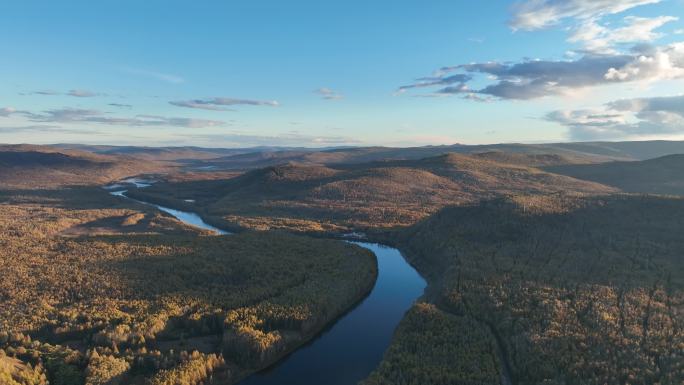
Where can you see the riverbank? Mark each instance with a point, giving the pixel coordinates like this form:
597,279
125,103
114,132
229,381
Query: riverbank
141,291
583,289
327,357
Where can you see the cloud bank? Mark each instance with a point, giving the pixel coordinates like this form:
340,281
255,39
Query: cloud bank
79,115
532,79
602,60
625,119
286,139
47,129
619,50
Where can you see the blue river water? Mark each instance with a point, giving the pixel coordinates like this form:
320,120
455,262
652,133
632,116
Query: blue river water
186,217
347,351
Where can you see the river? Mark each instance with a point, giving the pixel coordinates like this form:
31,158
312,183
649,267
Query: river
348,350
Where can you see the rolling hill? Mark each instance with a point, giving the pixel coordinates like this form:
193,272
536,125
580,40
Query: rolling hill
360,155
43,167
307,197
630,150
552,289
154,153
536,155
664,175
518,153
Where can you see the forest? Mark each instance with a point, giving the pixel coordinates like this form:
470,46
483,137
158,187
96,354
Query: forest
571,289
533,277
432,346
350,192
161,303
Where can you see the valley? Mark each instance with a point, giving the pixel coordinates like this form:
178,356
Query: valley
524,257
342,192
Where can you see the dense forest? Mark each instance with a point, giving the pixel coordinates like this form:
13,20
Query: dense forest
432,346
574,290
159,304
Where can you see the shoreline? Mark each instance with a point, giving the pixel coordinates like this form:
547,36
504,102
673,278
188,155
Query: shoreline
306,339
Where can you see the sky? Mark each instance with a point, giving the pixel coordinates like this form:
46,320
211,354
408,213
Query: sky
318,73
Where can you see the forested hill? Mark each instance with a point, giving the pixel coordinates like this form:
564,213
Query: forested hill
43,167
304,197
258,157
664,175
555,289
360,155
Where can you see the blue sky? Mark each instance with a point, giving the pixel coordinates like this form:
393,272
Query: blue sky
321,73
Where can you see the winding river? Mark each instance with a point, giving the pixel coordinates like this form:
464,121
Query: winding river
348,350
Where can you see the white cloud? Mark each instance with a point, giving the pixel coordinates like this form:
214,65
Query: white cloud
221,104
79,115
238,139
328,94
583,20
46,92
600,39
7,111
532,79
79,93
536,14
651,64
82,93
529,79
44,129
120,105
625,119
452,83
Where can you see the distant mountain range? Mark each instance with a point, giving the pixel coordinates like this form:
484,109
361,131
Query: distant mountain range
256,157
645,167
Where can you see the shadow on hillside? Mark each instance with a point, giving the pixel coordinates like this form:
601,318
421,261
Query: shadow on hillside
622,239
199,269
72,197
